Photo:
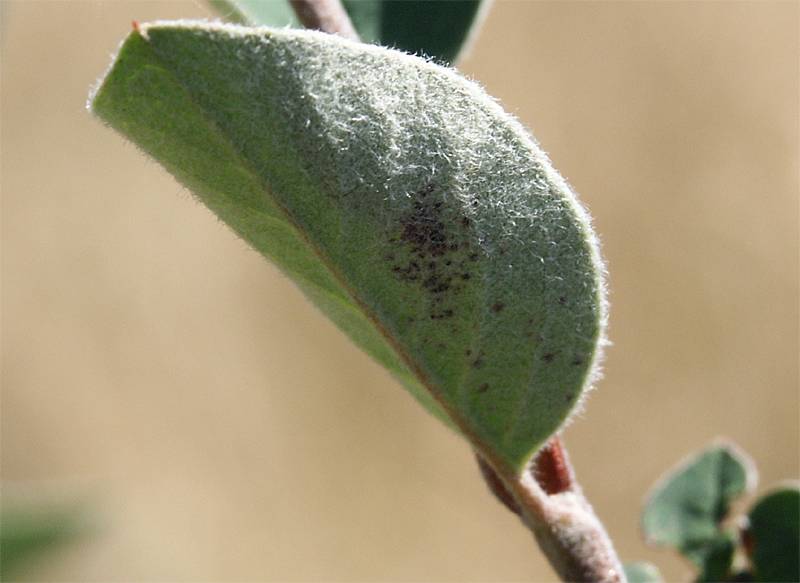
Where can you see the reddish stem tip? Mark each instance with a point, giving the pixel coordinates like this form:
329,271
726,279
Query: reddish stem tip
551,468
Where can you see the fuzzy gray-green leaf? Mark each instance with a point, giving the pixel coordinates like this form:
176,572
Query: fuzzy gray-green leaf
438,29
416,213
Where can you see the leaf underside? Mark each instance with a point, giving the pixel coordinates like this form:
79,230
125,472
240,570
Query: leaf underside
402,200
435,29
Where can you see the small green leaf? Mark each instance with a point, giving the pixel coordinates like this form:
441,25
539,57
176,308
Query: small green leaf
775,534
685,508
436,29
406,204
26,534
642,572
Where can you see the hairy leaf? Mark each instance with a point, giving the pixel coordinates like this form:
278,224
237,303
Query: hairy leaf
406,204
685,509
436,29
775,535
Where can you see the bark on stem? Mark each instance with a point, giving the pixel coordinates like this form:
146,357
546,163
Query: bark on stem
325,15
551,504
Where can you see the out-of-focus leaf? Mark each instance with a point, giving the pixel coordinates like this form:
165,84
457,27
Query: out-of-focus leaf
642,572
27,534
438,29
774,532
685,508
257,12
714,558
416,213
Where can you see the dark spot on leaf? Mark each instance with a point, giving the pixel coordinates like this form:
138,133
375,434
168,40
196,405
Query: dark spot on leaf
483,387
562,300
577,361
549,356
568,397
435,250
497,307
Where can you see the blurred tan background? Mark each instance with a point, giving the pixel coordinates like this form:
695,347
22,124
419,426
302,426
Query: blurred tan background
222,430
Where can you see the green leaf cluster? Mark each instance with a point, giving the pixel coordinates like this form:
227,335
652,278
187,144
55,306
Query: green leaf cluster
689,509
415,213
436,29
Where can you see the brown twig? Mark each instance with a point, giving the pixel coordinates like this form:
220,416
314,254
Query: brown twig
325,15
550,502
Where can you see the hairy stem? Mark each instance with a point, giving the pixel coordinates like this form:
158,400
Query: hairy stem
551,504
325,15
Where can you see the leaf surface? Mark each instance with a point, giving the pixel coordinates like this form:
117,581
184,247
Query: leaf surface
686,508
403,201
775,533
436,29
